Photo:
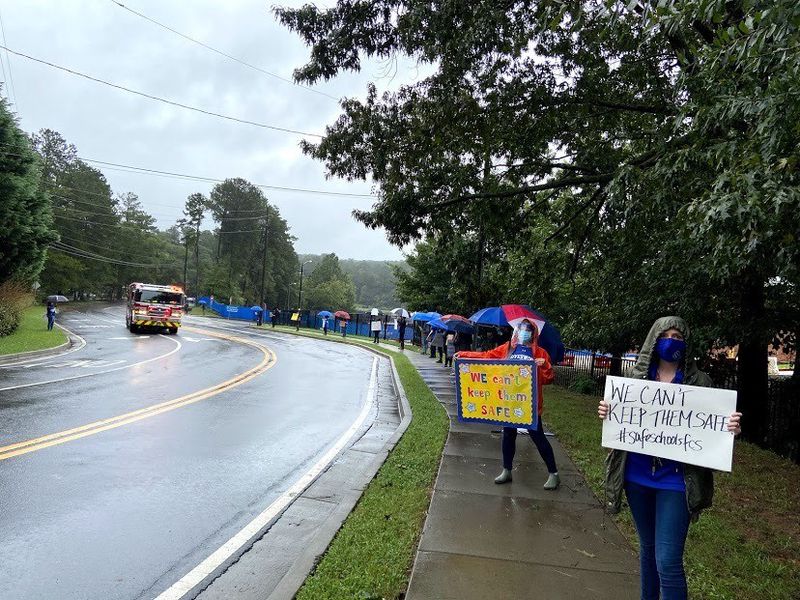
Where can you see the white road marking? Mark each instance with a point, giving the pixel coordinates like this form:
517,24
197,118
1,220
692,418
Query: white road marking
143,362
257,526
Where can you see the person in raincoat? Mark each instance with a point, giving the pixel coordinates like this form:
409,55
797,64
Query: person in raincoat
664,495
524,346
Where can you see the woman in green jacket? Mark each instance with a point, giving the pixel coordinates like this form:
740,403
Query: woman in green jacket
664,495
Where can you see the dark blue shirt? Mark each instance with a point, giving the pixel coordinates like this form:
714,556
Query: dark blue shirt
649,471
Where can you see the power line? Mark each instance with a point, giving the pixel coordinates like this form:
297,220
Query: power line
77,252
8,60
214,180
122,225
221,53
189,177
107,249
160,99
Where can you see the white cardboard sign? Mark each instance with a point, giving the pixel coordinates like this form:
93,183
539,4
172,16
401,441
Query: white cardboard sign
686,423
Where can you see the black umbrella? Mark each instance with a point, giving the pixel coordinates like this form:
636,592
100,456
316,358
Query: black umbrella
57,298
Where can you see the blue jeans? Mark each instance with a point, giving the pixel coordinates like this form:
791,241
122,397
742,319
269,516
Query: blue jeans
542,445
50,321
662,521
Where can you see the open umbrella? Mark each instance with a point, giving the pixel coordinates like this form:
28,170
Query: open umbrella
374,312
400,312
424,317
57,298
437,324
549,336
326,313
491,315
342,314
515,313
459,325
256,307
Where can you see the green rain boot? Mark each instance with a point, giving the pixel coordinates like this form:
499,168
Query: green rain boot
553,480
504,477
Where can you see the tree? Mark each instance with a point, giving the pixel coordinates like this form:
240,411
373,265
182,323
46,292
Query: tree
26,222
626,138
329,287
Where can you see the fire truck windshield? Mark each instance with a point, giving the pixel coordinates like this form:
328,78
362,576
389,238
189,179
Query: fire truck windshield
156,297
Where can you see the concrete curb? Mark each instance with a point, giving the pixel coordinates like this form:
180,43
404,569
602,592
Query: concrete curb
74,342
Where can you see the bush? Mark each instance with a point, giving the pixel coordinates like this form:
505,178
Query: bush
14,296
583,384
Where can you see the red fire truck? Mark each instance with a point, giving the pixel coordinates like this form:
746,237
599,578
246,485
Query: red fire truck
154,306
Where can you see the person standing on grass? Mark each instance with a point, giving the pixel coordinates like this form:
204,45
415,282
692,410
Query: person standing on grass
50,313
524,346
664,495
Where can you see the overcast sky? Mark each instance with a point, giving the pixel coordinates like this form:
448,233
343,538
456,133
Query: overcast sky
101,39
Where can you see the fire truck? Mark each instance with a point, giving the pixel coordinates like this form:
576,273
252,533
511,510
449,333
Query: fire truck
154,306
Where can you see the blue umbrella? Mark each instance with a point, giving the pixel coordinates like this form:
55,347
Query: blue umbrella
425,317
254,307
491,315
325,313
452,325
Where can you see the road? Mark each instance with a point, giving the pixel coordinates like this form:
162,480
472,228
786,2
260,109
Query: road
125,464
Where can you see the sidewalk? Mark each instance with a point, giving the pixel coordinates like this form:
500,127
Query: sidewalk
483,540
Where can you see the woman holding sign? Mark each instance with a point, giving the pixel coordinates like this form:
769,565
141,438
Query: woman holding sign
524,346
664,495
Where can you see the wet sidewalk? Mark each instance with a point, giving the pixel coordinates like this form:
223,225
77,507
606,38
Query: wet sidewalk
483,540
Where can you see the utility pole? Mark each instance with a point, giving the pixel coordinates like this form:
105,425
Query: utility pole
185,257
300,293
264,261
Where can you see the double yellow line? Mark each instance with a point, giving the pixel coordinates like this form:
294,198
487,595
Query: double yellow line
69,435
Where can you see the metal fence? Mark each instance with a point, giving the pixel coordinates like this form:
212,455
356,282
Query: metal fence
586,372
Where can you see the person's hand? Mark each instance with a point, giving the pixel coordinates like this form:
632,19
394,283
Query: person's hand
540,362
734,426
602,409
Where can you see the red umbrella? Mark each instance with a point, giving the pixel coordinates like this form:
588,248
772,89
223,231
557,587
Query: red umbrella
342,314
455,317
515,313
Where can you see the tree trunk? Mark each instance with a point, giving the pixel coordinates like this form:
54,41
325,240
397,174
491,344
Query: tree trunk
752,373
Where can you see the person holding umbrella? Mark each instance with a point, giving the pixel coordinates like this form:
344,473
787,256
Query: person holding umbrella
524,346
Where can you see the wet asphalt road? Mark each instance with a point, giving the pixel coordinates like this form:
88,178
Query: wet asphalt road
126,512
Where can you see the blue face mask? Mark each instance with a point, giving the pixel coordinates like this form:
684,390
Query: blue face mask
524,336
671,350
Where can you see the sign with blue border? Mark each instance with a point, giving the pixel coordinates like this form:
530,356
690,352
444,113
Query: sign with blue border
497,392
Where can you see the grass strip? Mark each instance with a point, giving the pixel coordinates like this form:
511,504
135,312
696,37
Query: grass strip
372,554
32,334
746,546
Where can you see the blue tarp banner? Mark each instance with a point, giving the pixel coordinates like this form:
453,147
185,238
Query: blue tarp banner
243,313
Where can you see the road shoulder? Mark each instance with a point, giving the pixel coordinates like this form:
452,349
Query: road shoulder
277,564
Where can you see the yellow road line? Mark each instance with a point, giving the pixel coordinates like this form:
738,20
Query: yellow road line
75,433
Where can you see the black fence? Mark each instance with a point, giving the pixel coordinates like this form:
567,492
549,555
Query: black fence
586,373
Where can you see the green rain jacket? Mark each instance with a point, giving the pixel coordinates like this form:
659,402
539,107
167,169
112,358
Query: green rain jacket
699,480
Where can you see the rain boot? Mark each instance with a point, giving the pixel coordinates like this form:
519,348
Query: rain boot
504,477
553,481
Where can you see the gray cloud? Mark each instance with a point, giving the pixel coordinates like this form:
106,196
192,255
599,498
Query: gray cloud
103,40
